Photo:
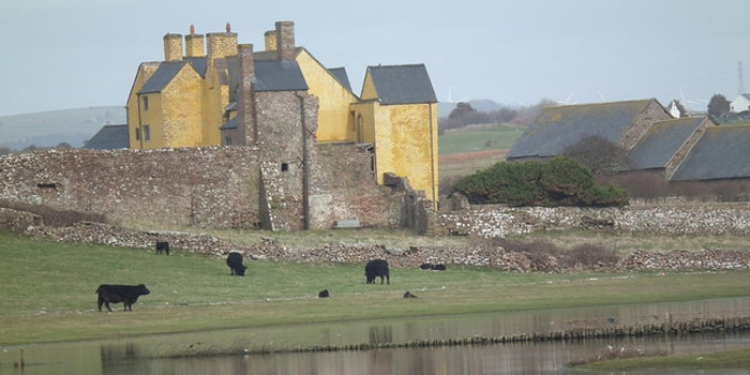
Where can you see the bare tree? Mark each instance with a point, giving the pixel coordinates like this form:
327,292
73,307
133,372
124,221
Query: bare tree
599,155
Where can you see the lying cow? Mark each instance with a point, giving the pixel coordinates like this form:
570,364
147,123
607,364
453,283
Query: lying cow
127,294
377,268
162,246
234,261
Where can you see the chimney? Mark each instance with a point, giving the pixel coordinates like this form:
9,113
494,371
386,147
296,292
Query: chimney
270,37
194,44
172,47
285,40
245,94
221,45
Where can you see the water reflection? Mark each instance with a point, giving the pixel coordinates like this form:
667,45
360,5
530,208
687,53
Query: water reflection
150,355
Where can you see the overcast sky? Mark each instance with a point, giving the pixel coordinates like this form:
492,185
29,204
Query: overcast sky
60,54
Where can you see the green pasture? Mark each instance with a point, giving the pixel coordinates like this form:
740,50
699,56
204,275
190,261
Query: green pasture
472,139
731,359
48,291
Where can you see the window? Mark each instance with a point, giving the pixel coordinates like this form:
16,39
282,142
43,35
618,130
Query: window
145,103
284,167
137,134
146,133
227,140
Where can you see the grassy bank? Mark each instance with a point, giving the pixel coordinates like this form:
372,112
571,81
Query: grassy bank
48,291
733,359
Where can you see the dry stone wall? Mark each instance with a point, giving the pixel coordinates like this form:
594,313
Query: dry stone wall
498,222
341,252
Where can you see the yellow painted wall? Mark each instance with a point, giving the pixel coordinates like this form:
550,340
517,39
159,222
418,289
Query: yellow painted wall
334,122
368,89
153,118
215,98
406,144
145,71
182,111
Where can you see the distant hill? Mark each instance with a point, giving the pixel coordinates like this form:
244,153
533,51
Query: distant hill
48,129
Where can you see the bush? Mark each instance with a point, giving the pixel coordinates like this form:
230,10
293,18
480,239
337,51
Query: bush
561,182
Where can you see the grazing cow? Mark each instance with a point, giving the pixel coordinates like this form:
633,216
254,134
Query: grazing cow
377,268
439,267
127,294
324,294
409,295
426,266
162,246
234,261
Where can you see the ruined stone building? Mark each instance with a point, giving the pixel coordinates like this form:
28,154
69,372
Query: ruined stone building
232,94
221,135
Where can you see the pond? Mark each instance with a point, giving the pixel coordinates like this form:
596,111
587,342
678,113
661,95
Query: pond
155,354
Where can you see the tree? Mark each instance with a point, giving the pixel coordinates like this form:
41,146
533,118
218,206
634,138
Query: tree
462,109
718,106
599,155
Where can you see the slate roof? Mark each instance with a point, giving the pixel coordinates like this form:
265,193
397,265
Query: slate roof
341,76
231,124
659,145
279,75
109,137
721,153
402,84
561,126
161,77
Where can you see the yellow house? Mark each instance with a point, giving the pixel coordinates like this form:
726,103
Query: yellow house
191,99
398,113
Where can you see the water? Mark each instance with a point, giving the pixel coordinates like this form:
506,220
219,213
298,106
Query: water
150,355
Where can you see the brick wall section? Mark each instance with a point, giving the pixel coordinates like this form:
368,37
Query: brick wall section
652,114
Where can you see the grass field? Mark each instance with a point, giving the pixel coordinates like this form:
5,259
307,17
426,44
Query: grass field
48,291
478,138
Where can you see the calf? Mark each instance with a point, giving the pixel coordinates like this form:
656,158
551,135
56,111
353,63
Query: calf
234,261
377,268
127,294
324,294
162,246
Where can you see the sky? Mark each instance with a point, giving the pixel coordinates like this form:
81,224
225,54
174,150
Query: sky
61,54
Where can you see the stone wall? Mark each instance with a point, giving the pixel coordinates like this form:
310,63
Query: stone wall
411,257
497,221
218,187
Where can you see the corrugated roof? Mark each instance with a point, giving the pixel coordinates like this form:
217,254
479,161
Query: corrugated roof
279,75
109,137
662,141
341,76
721,153
402,84
561,126
162,77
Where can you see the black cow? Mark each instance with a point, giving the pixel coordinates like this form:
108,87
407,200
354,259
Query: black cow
162,246
234,261
426,266
324,294
377,268
127,294
409,295
439,267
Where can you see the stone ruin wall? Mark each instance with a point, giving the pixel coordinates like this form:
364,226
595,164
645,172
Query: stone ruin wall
498,221
209,187
217,187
